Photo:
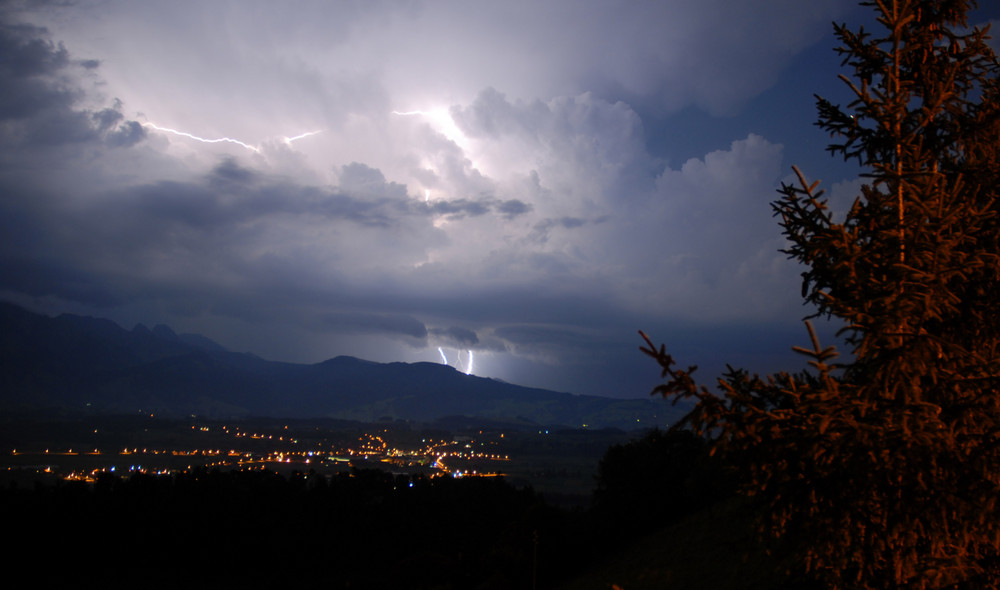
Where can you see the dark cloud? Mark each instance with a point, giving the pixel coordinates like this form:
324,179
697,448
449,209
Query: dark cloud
231,194
39,101
45,276
32,71
26,53
126,134
361,179
382,323
118,132
540,336
458,208
513,208
107,118
228,236
543,228
456,337
517,211
229,175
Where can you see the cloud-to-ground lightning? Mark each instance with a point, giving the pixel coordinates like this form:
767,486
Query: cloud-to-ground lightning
468,365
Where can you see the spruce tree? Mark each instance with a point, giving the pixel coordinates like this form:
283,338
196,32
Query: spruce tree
884,471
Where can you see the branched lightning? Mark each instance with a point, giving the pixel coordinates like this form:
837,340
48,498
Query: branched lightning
468,366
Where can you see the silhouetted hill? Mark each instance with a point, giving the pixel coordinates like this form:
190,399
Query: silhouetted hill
89,364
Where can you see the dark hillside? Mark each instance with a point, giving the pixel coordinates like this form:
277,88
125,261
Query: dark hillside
87,364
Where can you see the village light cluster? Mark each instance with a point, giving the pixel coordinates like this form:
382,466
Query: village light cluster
436,457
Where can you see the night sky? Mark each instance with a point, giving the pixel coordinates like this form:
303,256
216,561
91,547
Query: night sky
525,183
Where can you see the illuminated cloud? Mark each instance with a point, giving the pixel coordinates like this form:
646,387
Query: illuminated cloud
525,183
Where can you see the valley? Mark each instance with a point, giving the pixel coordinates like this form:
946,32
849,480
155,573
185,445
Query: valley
560,463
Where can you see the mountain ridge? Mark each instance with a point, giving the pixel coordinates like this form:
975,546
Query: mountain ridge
87,364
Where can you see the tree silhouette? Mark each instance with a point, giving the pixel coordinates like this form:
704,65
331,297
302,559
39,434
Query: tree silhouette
884,472
653,481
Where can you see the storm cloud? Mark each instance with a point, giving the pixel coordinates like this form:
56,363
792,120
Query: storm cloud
384,179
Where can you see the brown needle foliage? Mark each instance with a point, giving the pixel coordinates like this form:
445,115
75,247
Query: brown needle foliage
884,472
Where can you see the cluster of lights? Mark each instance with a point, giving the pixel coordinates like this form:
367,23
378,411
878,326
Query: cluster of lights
430,452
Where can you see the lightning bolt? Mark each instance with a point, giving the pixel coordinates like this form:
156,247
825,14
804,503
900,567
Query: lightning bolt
289,140
468,366
440,120
252,148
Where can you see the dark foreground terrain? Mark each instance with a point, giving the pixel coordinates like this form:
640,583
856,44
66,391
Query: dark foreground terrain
657,511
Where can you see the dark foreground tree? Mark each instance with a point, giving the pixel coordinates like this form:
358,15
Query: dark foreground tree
884,472
650,482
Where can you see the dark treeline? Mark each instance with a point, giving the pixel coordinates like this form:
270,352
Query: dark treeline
367,529
364,529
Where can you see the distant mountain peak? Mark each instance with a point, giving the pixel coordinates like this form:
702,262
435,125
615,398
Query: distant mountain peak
164,331
202,342
348,360
91,365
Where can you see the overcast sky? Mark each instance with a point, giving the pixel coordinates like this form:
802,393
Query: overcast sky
523,183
